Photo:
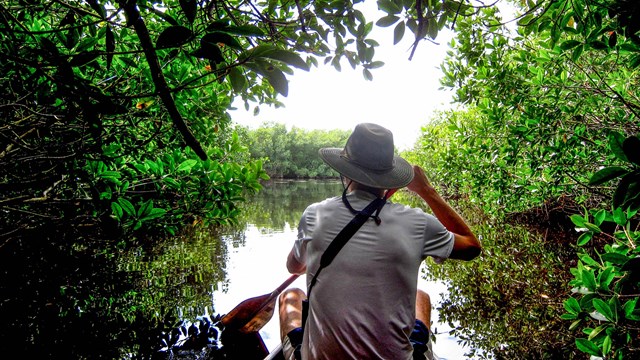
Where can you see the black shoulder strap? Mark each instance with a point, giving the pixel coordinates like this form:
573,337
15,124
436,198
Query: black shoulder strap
344,235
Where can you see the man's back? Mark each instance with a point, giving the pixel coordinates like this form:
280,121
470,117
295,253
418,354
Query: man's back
362,304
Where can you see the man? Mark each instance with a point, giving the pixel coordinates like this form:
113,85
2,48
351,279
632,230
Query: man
365,304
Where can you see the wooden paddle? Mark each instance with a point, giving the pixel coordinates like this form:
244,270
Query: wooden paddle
252,314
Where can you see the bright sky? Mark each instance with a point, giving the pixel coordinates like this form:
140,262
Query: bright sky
402,96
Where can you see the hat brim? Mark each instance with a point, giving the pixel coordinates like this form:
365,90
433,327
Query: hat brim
399,176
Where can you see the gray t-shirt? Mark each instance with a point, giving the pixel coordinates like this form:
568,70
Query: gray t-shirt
363,304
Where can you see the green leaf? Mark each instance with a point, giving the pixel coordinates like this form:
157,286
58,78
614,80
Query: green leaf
187,165
389,7
172,183
619,216
589,279
604,309
97,8
595,332
287,57
605,277
635,62
174,36
615,143
189,8
606,174
387,20
145,208
110,45
622,190
245,30
631,148
398,32
584,238
578,220
374,65
606,345
209,51
568,316
569,44
592,227
574,325
218,37
116,209
127,206
218,25
577,52
587,346
367,74
599,217
274,76
629,306
237,79
84,58
572,306
154,214
614,258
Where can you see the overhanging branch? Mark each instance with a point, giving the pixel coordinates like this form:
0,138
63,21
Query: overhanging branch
133,15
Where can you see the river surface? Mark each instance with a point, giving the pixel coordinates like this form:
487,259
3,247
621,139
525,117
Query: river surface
257,266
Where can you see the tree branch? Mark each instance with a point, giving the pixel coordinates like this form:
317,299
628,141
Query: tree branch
133,14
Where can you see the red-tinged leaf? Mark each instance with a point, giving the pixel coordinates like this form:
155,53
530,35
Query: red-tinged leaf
613,40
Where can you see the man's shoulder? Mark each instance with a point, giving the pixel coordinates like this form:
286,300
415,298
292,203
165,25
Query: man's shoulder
328,202
406,209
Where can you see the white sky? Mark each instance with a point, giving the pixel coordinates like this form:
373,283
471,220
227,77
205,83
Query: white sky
401,97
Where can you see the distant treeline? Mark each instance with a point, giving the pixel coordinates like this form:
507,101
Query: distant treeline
293,153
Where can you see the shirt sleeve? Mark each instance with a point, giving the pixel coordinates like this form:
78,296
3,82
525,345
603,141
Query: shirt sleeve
438,241
305,233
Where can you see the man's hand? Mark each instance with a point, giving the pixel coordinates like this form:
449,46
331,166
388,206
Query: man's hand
466,245
420,181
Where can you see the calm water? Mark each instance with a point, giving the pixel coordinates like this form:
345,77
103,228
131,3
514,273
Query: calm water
258,266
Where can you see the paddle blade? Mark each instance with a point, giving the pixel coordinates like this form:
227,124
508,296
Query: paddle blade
251,314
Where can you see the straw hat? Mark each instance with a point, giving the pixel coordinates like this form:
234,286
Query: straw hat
368,159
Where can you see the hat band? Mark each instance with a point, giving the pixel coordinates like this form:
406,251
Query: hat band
345,155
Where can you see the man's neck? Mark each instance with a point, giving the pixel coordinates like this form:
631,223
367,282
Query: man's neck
357,186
